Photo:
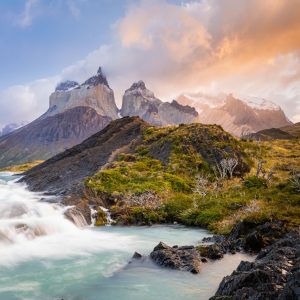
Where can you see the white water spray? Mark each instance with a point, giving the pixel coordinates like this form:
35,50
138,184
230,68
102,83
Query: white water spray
32,228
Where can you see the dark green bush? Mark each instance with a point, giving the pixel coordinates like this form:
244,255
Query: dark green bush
255,182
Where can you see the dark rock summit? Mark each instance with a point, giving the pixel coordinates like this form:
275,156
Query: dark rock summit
137,85
100,78
66,85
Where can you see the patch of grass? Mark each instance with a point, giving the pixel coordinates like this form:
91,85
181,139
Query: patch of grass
22,168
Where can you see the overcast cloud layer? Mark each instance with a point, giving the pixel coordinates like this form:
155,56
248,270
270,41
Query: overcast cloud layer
249,47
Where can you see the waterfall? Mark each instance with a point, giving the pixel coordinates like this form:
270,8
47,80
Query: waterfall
109,220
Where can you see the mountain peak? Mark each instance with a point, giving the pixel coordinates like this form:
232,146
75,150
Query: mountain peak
100,78
138,85
66,85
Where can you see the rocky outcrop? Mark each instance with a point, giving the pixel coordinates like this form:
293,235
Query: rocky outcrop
80,215
185,258
64,174
275,274
245,236
237,116
139,101
75,113
94,92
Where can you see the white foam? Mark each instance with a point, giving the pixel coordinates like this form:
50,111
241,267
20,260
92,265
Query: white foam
31,229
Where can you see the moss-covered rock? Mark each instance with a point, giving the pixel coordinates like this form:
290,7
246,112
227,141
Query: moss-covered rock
101,219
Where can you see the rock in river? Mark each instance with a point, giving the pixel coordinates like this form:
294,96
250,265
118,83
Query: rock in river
185,258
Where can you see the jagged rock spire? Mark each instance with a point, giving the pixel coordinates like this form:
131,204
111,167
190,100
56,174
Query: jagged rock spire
138,85
100,78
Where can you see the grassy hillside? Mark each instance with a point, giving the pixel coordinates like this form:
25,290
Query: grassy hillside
173,175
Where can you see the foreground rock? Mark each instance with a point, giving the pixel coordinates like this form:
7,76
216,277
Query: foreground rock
275,274
245,236
184,258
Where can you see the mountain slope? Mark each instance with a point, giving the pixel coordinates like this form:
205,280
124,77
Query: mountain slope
64,173
45,137
139,101
284,133
75,113
130,146
237,116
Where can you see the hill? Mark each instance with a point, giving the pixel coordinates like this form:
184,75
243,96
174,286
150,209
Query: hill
283,133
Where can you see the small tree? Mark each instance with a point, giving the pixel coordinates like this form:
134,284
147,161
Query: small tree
227,167
200,188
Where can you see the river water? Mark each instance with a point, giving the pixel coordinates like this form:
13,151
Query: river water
45,256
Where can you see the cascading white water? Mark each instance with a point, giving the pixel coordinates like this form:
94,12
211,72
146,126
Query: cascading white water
33,228
109,220
23,217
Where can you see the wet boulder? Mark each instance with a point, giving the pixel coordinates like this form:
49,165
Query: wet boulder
273,275
185,258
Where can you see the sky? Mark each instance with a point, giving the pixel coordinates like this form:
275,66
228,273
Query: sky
248,47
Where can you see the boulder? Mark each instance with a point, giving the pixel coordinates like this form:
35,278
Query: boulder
184,258
274,274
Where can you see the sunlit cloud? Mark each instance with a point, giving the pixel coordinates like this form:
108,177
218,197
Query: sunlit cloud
205,46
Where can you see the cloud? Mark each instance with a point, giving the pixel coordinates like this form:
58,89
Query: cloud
73,8
25,102
249,47
25,18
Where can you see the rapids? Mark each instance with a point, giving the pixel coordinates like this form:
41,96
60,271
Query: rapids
45,256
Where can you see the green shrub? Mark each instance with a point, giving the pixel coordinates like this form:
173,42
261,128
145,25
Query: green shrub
255,182
176,205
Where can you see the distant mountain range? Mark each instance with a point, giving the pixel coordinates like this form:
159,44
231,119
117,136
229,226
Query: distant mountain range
11,127
237,116
77,111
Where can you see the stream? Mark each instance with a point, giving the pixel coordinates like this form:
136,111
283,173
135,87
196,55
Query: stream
45,256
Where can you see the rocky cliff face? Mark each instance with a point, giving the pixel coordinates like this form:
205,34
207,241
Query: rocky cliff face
235,115
94,92
75,113
139,101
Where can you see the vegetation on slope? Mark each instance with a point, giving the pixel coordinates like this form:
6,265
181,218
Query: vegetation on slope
22,168
175,175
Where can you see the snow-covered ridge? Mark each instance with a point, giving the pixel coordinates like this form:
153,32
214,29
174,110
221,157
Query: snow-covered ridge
260,103
217,101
